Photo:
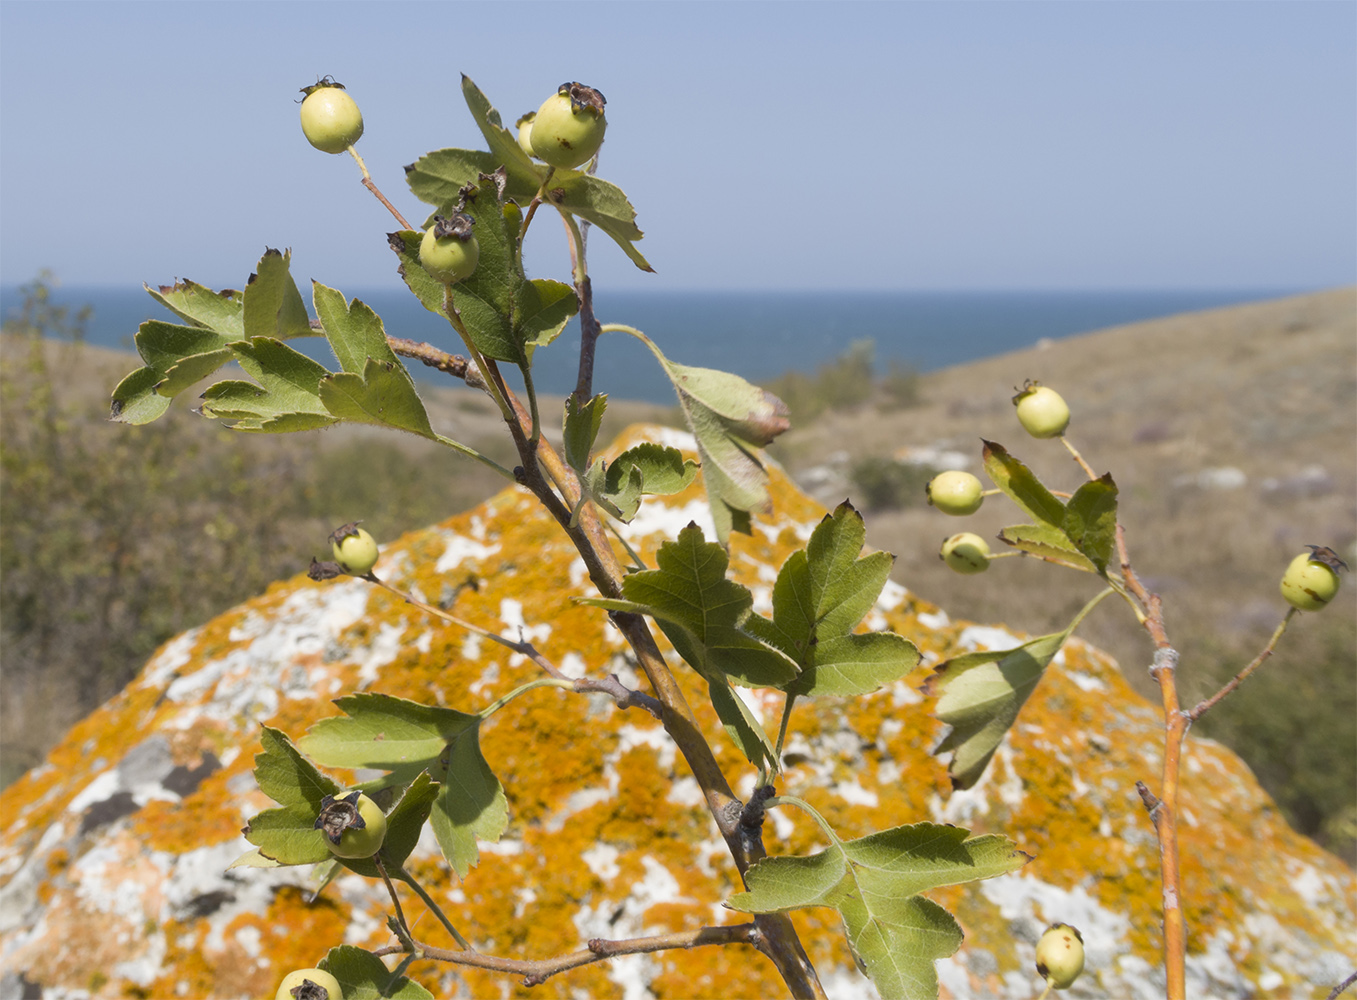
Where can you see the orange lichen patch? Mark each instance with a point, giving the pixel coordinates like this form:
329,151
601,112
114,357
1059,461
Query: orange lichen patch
210,815
712,972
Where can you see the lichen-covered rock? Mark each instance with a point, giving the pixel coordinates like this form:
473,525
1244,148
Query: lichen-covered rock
114,854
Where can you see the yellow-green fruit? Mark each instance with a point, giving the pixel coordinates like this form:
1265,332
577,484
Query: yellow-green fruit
448,259
568,128
331,120
356,553
966,553
1060,955
1309,584
525,132
1041,411
309,984
956,493
354,826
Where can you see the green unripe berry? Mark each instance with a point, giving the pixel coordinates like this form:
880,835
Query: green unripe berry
309,984
568,128
966,553
525,132
1060,956
354,825
956,493
449,250
1311,581
354,549
331,120
1041,411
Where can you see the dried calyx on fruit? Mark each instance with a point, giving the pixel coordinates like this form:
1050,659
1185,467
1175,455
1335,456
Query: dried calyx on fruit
309,984
355,550
568,128
1311,581
1060,956
1041,411
449,251
331,120
354,825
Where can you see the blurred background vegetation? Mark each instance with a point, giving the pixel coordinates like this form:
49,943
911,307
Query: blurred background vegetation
113,538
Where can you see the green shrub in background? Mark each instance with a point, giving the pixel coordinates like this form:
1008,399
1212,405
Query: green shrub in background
110,544
882,483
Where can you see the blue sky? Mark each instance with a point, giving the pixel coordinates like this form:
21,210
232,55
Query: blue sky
764,145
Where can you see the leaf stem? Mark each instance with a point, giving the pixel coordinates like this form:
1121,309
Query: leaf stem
410,880
557,682
802,804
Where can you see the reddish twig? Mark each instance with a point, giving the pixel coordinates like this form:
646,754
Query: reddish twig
536,972
1205,706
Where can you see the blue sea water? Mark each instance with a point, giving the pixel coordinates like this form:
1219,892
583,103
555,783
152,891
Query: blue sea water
758,335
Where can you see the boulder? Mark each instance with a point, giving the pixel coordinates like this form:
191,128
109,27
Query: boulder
114,854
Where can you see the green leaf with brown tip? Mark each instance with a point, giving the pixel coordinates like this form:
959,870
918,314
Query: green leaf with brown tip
1022,486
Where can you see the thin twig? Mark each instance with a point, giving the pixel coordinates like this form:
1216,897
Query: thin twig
1342,986
1205,706
536,972
368,183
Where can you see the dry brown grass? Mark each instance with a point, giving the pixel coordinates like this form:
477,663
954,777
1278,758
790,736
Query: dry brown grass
1269,389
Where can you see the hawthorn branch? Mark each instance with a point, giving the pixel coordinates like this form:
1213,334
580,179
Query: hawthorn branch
536,972
1163,811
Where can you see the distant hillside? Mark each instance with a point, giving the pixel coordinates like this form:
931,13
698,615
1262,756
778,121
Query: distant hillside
1232,435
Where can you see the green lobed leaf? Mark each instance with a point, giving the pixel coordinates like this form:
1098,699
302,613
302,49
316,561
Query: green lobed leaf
436,177
874,882
701,612
523,172
822,593
405,738
982,693
1022,486
287,777
471,803
364,976
741,724
485,300
135,400
221,312
1091,520
272,306
541,310
288,835
384,394
648,469
1046,541
183,354
582,421
730,419
253,859
405,245
355,332
285,398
